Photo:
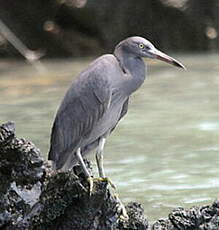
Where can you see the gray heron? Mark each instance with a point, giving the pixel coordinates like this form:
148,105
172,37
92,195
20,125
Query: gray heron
97,100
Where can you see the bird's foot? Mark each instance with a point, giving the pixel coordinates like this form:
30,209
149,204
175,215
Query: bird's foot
121,209
107,180
90,181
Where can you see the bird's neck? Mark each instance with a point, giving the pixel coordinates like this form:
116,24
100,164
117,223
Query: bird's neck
133,67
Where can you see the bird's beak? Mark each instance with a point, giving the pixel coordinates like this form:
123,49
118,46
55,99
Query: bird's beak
163,57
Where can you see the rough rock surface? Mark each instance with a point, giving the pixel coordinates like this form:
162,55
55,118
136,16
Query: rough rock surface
196,218
34,197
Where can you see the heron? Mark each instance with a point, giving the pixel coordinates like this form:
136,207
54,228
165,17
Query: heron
97,100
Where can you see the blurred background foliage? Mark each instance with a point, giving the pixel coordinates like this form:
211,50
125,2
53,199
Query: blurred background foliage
63,28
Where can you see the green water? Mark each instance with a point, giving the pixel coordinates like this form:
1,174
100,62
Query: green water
163,154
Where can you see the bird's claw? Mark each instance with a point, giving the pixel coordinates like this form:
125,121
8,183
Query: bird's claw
90,181
123,213
79,183
82,187
111,183
121,209
108,180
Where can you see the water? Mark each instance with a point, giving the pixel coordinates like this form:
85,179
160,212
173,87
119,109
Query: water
164,153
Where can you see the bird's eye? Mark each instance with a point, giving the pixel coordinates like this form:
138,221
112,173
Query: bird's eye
141,46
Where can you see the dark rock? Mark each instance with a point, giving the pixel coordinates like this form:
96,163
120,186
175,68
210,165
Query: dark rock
196,218
22,172
35,197
137,219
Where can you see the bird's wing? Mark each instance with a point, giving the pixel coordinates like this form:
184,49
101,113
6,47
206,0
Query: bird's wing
123,112
124,108
82,107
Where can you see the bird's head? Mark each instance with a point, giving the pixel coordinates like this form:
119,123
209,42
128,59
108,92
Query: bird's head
140,47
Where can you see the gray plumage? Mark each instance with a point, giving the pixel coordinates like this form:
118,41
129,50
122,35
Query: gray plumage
98,99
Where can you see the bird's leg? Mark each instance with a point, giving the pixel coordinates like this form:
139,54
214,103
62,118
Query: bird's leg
99,159
87,174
